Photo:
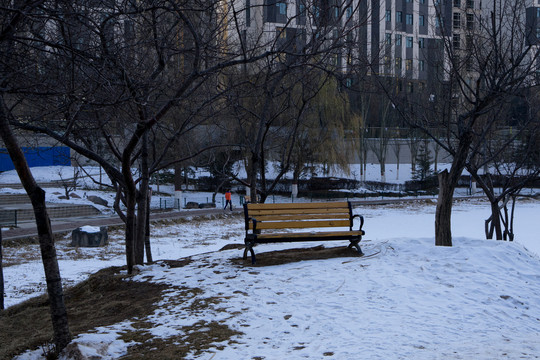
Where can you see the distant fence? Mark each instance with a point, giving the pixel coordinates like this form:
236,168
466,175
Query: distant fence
8,218
172,203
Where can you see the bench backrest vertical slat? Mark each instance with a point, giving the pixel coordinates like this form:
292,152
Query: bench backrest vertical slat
350,215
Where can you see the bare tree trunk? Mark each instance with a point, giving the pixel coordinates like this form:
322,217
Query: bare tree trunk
59,318
142,203
252,178
496,219
130,220
147,232
447,184
1,276
443,231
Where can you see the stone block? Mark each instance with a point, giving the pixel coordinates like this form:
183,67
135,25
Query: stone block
90,236
97,200
207,205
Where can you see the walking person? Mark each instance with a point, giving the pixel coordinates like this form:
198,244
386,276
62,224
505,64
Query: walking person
228,200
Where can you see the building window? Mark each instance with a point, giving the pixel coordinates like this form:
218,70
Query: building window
457,20
538,33
388,15
348,82
348,12
408,64
469,42
421,65
301,11
398,40
399,16
409,41
456,41
398,63
388,38
421,43
410,87
470,21
470,4
409,19
538,12
283,8
457,3
421,21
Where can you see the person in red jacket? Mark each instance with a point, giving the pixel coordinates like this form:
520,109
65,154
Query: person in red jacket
228,199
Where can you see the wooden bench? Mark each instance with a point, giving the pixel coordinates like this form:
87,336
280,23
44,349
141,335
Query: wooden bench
273,223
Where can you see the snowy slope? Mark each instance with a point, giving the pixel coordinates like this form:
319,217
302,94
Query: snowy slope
476,300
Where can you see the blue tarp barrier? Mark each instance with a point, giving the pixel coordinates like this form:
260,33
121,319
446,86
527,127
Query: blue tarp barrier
38,156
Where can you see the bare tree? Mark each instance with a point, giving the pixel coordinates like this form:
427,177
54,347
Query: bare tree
127,75
17,19
510,157
496,62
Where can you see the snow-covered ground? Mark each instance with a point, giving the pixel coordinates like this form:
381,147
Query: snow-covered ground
479,299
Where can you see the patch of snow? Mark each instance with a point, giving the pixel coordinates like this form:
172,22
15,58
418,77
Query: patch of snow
90,229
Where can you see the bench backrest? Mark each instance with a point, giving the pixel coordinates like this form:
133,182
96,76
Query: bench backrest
298,215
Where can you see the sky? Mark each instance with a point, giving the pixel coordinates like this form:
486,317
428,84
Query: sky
406,299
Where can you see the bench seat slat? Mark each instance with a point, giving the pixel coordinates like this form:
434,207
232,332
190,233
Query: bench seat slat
301,224
317,235
262,218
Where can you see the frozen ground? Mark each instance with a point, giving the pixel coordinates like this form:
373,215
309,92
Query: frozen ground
406,299
411,300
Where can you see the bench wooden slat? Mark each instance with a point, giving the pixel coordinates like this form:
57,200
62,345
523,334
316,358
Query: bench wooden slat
287,217
300,224
328,205
254,213
305,234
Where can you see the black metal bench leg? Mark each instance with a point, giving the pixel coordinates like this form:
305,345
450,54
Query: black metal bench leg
355,244
250,248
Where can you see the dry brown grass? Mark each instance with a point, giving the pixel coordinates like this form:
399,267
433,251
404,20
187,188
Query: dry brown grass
104,299
108,298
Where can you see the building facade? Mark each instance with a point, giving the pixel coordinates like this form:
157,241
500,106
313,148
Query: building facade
401,39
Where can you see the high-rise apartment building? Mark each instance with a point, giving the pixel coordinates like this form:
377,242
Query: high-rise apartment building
396,38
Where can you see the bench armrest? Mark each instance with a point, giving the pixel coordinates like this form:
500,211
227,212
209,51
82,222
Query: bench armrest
361,221
254,225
